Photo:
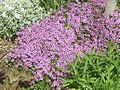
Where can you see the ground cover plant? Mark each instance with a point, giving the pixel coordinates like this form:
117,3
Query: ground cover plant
50,44
95,71
15,14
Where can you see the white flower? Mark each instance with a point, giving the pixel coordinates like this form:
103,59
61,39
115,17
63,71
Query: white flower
4,14
17,15
22,9
8,7
40,8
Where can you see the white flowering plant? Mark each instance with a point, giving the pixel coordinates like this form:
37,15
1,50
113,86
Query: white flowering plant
14,14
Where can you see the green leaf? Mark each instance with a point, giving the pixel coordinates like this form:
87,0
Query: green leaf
109,69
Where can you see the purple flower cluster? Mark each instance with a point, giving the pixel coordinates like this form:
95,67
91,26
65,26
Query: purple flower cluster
56,40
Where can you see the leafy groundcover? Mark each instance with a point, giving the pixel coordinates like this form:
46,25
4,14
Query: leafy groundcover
95,71
47,46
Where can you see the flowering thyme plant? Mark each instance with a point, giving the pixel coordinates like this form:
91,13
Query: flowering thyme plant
53,42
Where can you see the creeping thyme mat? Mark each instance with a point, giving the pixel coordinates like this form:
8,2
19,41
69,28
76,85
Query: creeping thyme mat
50,44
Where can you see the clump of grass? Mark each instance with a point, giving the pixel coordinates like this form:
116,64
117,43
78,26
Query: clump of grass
95,71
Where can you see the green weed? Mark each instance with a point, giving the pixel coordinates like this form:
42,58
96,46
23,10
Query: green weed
95,71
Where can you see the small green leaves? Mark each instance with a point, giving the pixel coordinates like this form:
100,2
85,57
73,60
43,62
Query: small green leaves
65,15
118,3
68,26
53,61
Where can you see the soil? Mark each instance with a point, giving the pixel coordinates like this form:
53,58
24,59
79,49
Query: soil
11,78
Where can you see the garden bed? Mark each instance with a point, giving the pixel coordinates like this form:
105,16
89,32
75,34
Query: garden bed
76,47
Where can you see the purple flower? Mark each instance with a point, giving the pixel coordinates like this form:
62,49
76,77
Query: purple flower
59,38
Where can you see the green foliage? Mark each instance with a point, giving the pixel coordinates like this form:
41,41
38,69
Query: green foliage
95,71
14,14
52,4
41,85
118,3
